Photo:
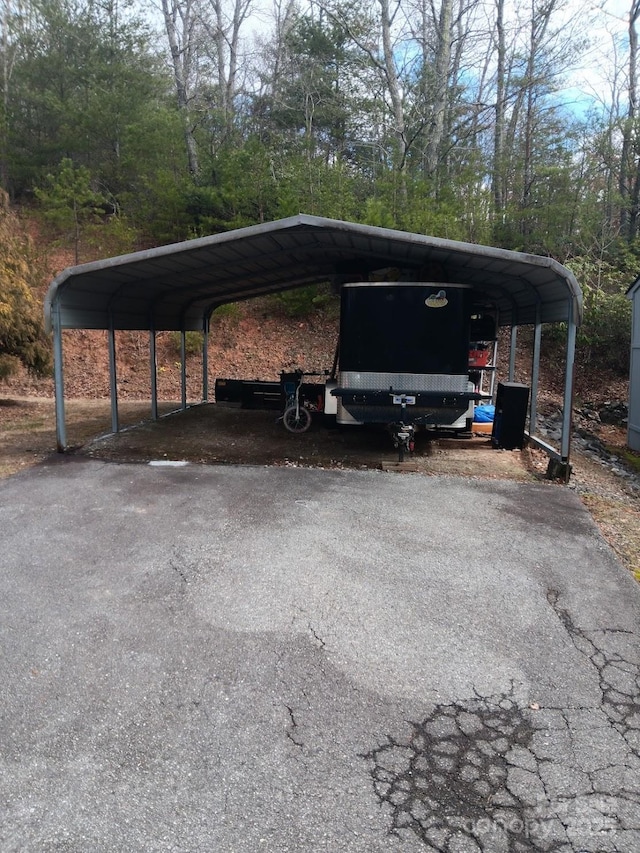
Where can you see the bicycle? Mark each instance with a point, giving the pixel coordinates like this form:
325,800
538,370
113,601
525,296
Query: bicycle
297,410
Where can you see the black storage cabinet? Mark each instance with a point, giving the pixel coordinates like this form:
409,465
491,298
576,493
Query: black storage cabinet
512,401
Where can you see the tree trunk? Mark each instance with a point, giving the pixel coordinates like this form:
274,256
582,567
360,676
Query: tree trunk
8,59
499,131
540,19
226,37
395,94
181,47
628,214
441,71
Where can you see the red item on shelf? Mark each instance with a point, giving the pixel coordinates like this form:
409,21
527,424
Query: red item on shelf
479,357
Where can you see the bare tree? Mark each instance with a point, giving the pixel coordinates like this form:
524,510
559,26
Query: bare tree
273,53
442,66
16,18
180,20
388,64
628,182
497,174
377,41
204,38
223,27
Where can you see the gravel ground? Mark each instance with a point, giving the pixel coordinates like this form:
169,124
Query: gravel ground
606,476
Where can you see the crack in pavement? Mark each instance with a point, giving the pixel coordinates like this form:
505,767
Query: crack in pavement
179,571
487,775
618,678
293,726
316,636
449,783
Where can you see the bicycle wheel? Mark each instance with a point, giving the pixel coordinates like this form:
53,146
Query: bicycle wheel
297,419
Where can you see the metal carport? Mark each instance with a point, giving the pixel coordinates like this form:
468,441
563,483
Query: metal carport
177,287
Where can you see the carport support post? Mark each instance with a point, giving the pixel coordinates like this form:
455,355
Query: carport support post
183,368
58,378
565,440
535,373
153,365
512,353
113,377
205,361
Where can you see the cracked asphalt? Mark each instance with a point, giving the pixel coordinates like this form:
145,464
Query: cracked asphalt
275,659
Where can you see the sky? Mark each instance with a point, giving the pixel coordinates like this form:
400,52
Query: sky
605,60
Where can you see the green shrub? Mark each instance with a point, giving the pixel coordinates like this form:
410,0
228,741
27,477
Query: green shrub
193,342
604,338
605,335
22,337
303,301
230,310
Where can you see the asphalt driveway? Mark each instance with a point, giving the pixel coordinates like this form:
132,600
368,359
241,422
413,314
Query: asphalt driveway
283,659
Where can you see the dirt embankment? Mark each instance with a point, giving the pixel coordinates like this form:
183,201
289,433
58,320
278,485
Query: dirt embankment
250,341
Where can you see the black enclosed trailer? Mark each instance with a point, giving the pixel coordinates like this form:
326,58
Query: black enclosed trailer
404,354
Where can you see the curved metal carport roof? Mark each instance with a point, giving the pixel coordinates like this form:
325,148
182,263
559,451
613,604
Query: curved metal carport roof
178,286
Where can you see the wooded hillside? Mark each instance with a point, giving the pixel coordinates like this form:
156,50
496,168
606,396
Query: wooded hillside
123,127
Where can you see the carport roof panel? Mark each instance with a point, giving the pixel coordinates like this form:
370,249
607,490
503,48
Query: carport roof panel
175,286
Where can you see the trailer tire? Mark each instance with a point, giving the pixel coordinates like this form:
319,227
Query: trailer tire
297,419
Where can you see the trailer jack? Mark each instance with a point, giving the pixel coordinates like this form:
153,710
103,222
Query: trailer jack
403,435
403,438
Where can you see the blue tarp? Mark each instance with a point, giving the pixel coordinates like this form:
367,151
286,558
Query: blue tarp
484,414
